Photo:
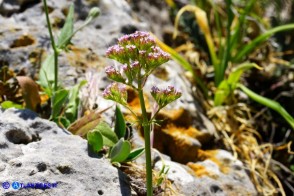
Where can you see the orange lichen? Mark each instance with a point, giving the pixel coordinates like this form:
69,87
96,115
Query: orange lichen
211,155
200,170
190,131
23,41
83,57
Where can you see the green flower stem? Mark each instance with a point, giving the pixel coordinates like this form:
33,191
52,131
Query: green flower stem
146,126
55,50
155,114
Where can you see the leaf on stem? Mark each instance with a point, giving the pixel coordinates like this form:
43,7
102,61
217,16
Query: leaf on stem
134,154
59,100
120,125
95,140
47,73
73,103
120,151
67,30
109,137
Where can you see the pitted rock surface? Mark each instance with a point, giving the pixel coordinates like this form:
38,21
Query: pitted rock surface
34,150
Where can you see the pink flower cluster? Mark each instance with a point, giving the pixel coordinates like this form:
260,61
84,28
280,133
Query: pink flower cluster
116,92
142,40
139,56
165,96
114,74
139,46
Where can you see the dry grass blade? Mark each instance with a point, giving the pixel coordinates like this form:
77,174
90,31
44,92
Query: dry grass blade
30,92
239,135
202,21
88,122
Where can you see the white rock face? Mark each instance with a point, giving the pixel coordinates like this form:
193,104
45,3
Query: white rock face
33,150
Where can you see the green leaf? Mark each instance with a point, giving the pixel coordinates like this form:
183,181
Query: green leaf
135,154
120,151
73,103
228,86
59,100
120,125
109,137
95,140
67,30
269,103
10,104
222,92
236,73
47,72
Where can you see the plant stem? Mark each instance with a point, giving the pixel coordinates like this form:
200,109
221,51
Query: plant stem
55,50
146,126
220,72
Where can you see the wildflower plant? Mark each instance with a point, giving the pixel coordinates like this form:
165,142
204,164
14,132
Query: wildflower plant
138,56
64,103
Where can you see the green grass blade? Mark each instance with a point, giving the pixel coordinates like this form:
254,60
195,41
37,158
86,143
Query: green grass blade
269,103
263,37
227,87
236,73
236,35
218,24
220,71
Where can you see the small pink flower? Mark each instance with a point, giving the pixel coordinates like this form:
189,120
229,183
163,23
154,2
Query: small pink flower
116,92
114,74
165,96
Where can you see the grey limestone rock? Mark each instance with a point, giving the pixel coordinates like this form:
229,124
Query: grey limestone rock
25,39
234,181
34,150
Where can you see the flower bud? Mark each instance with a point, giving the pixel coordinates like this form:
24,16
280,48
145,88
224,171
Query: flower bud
116,92
128,72
142,40
165,96
118,53
114,74
94,12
